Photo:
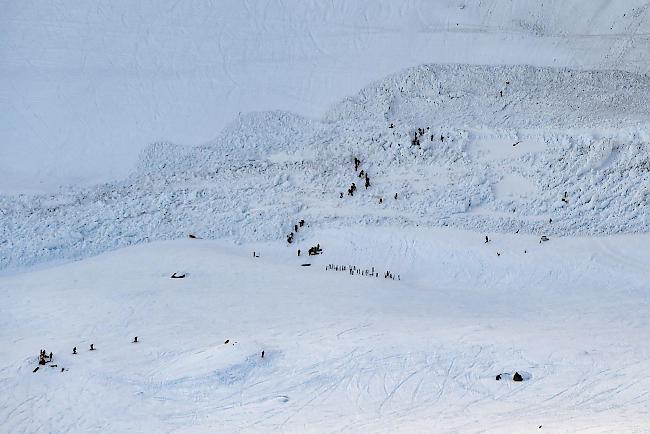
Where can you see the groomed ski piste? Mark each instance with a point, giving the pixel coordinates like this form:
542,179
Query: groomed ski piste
513,154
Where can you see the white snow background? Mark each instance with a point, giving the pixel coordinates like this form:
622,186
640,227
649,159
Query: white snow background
128,126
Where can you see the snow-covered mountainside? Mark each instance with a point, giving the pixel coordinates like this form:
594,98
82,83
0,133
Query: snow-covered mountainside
343,353
537,150
84,86
474,177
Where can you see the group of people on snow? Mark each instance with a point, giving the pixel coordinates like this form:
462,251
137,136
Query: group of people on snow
354,270
300,224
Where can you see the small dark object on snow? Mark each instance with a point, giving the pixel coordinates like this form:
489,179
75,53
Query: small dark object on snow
262,353
544,238
227,340
192,236
74,350
54,366
36,369
305,265
62,369
539,427
92,347
298,252
516,143
550,220
517,377
395,196
487,240
41,361
498,254
51,356
316,250
178,276
135,340
498,378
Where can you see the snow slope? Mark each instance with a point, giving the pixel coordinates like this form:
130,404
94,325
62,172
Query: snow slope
85,87
342,353
562,152
128,126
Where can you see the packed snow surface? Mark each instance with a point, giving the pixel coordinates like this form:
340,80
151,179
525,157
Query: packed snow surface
343,353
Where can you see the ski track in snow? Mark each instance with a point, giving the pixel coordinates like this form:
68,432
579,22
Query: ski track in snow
347,353
343,353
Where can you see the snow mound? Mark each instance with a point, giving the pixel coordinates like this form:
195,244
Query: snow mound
491,149
502,97
157,156
255,136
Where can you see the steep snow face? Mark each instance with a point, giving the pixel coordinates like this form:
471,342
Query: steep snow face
84,87
489,156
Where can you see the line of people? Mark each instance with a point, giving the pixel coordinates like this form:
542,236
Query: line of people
363,174
300,224
354,270
44,358
421,132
